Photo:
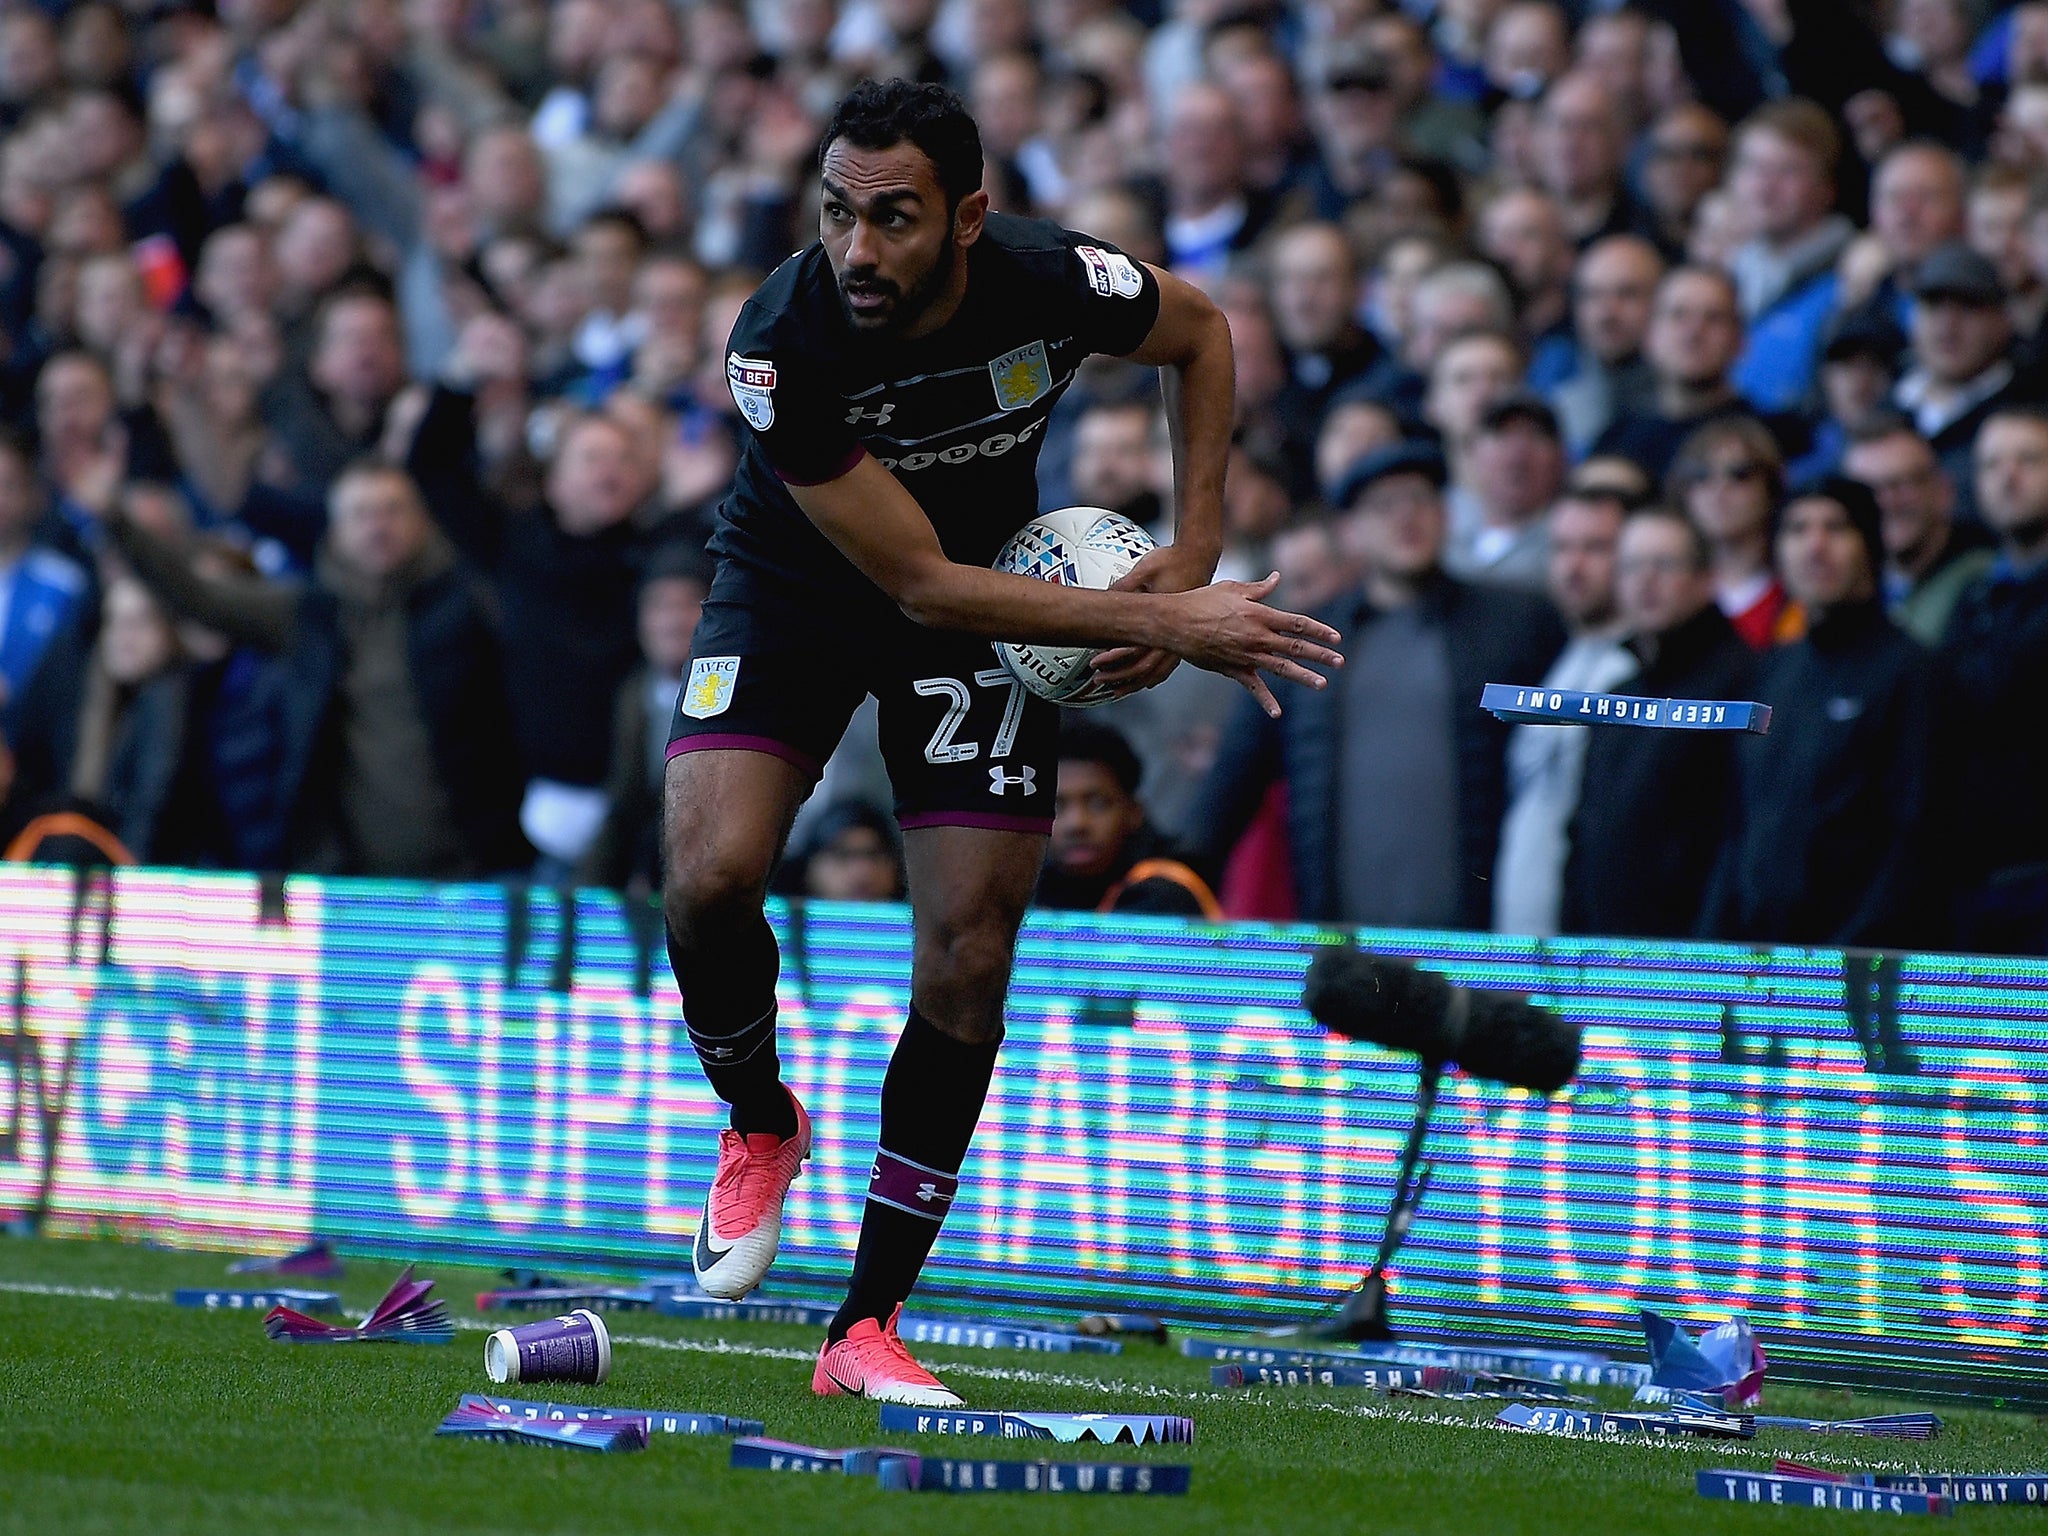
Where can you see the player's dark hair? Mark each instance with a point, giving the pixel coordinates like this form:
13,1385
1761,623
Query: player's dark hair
1083,741
880,114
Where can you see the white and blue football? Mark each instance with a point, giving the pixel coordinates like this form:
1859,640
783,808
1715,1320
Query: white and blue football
1077,547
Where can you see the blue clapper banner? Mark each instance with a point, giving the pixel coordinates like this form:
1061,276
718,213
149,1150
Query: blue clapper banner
1847,1148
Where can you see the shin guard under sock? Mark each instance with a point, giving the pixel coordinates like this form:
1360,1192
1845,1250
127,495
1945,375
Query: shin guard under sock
931,1101
728,992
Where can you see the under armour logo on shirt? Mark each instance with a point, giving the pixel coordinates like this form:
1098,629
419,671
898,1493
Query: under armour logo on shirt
880,418
999,782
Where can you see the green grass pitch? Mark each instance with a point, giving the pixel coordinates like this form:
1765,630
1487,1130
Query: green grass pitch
120,1412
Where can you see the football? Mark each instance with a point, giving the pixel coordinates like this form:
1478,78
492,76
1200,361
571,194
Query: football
1077,547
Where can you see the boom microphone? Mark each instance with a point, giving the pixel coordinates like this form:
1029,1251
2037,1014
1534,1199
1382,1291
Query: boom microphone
1493,1035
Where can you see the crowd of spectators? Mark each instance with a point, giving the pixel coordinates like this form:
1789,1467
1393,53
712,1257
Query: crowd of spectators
363,417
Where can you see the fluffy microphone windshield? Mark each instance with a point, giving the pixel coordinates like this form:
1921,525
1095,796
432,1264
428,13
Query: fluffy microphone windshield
1493,1035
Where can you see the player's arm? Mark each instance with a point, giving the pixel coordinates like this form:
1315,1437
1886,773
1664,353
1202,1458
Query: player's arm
1189,344
879,526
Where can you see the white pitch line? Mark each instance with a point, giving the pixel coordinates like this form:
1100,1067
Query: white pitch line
80,1292
1048,1379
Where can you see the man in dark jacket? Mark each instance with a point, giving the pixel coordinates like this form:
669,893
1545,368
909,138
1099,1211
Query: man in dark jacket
395,755
1396,779
565,574
1997,651
1105,856
1828,842
1653,803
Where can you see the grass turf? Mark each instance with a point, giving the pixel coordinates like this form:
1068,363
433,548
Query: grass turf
119,1412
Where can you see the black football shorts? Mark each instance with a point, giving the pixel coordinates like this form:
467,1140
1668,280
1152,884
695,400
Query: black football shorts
966,745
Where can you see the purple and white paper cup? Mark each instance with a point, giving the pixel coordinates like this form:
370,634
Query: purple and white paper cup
571,1348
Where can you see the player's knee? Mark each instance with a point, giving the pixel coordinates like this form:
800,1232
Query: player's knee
962,976
707,887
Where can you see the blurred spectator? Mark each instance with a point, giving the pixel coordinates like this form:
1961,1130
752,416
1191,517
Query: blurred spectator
626,854
1859,369
1786,159
564,574
1652,803
1448,301
1962,368
1528,45
1546,762
129,726
1694,337
40,590
1355,112
1996,217
1581,146
1929,561
1256,506
1614,48
1916,204
395,729
88,445
1729,479
1394,793
1105,855
1116,460
1681,167
1829,832
1315,290
1210,211
607,249
1471,373
1601,373
1431,122
1512,469
1352,429
1996,649
1523,231
333,413
851,854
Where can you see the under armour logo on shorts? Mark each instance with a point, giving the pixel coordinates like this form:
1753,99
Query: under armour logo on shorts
999,782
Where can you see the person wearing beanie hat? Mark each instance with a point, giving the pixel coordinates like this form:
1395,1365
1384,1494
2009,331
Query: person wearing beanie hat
1829,840
1855,500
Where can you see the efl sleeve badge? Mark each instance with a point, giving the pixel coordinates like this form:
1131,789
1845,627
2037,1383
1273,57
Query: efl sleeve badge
752,382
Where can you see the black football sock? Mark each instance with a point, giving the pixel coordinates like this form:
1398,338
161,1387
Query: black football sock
931,1100
727,977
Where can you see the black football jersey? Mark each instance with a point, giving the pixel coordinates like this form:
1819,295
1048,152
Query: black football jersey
957,416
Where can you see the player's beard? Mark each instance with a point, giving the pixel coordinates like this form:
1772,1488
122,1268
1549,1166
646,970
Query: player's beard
902,314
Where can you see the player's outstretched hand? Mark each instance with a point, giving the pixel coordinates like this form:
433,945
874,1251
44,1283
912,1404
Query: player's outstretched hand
1226,627
1169,568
